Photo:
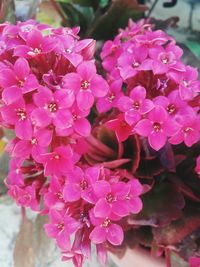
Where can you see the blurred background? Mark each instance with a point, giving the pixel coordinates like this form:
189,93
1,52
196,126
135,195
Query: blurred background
99,19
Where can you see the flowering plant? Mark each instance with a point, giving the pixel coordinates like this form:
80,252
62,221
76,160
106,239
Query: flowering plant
110,155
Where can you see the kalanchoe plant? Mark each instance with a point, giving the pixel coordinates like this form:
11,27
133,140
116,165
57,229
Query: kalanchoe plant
112,159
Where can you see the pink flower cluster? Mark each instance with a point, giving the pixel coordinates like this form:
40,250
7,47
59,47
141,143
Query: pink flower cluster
49,84
156,95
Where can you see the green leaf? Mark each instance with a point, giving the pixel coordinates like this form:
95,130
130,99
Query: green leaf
194,47
116,16
176,260
103,3
78,15
84,3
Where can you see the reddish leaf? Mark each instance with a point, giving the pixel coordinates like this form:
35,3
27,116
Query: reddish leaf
179,229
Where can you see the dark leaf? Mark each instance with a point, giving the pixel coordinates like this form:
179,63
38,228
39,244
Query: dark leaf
167,159
161,205
185,189
149,167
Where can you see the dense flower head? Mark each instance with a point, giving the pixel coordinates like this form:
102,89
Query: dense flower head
81,138
157,87
49,85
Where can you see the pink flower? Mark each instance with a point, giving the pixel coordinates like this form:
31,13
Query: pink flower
165,59
61,226
53,198
79,184
133,199
157,127
121,127
35,44
110,53
86,84
17,114
132,62
25,197
58,162
111,199
17,81
15,175
197,168
189,131
109,101
34,146
172,103
135,105
52,108
80,125
105,230
189,86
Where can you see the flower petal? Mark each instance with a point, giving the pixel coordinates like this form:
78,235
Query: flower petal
21,68
40,117
101,188
115,234
157,140
143,127
135,205
120,208
85,100
99,86
82,127
71,192
86,70
23,129
98,235
102,208
11,94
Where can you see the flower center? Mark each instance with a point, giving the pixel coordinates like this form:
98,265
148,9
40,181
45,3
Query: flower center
165,60
75,117
171,108
85,84
157,126
83,184
33,141
110,198
52,107
185,83
21,83
106,223
111,97
59,195
37,51
60,226
21,113
188,129
136,105
69,51
56,156
135,64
